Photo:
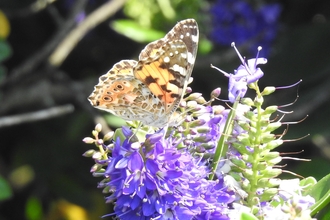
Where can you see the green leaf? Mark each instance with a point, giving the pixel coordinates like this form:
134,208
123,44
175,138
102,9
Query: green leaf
204,46
33,209
119,133
321,193
5,190
247,216
114,121
5,50
324,214
307,184
222,146
135,31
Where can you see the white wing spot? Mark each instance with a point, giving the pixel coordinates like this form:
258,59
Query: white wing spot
194,38
166,59
179,69
184,56
191,58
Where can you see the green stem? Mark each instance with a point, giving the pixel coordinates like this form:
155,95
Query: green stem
222,146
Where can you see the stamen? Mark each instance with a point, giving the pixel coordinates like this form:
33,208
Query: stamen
285,87
238,54
214,67
255,63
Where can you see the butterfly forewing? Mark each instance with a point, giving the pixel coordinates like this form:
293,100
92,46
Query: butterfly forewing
173,58
151,89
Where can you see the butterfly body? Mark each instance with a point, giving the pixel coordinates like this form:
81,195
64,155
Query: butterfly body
150,90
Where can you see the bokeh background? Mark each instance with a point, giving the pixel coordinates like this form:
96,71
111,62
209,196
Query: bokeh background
52,53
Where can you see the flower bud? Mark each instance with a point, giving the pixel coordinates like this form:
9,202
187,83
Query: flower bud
201,100
208,146
262,166
197,123
265,138
95,133
89,153
273,144
193,96
215,93
97,155
271,172
273,126
239,163
202,139
259,100
99,142
270,110
268,194
98,127
268,90
188,90
95,168
274,161
247,101
192,104
88,140
108,135
218,109
270,155
98,174
203,129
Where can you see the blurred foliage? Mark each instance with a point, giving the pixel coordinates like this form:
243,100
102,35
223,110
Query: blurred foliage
43,173
5,50
5,189
154,12
4,26
135,31
321,193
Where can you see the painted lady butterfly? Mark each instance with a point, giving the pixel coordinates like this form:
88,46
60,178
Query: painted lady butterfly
150,90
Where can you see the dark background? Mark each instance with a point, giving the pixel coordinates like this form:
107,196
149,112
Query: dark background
42,159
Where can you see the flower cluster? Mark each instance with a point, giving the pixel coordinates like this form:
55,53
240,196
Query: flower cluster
245,21
217,163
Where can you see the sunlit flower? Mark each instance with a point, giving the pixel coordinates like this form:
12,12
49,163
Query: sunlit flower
246,73
216,163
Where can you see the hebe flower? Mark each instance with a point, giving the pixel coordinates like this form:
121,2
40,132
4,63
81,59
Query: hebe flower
215,164
245,22
155,180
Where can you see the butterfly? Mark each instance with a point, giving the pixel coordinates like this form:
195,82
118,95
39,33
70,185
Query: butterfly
149,90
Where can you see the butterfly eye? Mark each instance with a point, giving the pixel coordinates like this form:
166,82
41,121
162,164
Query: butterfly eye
120,87
108,98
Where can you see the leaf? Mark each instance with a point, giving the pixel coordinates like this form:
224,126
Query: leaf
136,32
307,184
33,209
247,216
222,146
5,190
114,121
321,193
5,50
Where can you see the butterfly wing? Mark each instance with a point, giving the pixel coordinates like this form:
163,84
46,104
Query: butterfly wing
151,89
121,94
165,65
